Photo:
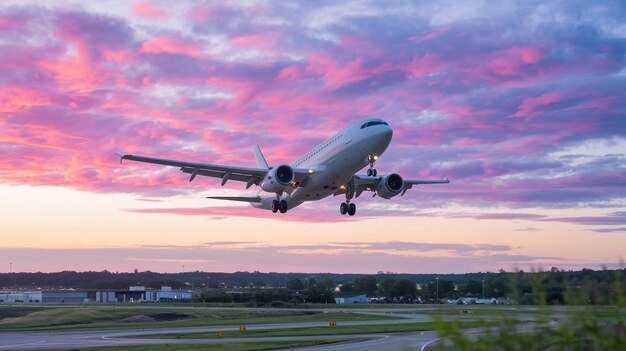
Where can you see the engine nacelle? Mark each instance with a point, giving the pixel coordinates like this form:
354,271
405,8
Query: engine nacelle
277,179
390,185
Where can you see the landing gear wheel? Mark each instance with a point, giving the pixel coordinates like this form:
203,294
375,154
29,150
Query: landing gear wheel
274,206
343,208
351,209
369,172
283,206
374,172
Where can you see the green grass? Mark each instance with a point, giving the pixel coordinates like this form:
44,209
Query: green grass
584,332
315,331
92,317
231,346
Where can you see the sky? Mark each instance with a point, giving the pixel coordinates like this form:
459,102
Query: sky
522,104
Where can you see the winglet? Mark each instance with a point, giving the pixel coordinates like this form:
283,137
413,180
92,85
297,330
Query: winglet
446,179
260,160
121,157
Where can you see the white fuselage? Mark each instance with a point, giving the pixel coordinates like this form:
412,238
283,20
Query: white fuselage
334,162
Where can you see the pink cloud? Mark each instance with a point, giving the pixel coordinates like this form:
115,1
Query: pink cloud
263,42
13,99
431,35
531,107
91,88
512,61
148,10
10,22
424,65
172,45
296,215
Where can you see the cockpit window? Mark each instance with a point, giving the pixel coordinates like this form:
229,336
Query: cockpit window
374,123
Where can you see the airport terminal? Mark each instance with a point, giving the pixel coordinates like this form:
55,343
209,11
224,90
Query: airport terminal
133,294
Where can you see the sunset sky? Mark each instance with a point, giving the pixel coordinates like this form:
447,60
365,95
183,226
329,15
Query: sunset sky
521,104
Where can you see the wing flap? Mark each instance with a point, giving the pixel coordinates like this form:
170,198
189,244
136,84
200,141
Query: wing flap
219,174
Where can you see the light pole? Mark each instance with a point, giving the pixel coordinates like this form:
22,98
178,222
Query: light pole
10,267
483,288
437,279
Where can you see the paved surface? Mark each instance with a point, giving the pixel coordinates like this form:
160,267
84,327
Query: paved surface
21,341
73,339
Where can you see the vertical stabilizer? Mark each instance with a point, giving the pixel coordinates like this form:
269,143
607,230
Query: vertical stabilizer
260,160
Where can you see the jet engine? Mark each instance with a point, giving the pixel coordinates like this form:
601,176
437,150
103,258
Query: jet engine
390,185
277,179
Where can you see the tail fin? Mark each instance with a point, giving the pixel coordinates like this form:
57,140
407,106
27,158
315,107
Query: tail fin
260,160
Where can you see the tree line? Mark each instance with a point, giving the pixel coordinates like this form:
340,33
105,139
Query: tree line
551,287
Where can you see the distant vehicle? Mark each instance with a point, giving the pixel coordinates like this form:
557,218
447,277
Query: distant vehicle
328,169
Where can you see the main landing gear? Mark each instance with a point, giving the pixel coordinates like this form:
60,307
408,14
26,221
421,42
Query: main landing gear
348,207
371,159
279,206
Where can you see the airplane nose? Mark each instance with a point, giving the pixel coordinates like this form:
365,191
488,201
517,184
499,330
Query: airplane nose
385,135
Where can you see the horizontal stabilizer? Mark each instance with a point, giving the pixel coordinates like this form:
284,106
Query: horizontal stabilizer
236,198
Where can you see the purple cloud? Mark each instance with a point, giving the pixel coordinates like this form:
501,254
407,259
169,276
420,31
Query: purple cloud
491,104
610,230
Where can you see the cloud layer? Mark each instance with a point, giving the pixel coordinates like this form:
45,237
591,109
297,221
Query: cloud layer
340,257
520,104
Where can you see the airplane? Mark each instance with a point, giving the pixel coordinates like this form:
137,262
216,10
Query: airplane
328,169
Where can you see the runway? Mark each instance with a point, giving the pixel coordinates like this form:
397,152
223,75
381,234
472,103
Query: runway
22,341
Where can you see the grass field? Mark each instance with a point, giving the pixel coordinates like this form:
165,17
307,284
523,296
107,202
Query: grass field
26,318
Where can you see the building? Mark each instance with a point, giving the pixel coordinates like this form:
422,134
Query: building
140,294
20,296
166,294
52,296
64,296
133,294
105,296
351,299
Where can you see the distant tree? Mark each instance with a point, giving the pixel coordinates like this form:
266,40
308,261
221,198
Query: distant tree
444,289
295,284
385,287
403,288
471,288
347,287
259,283
498,285
367,284
326,284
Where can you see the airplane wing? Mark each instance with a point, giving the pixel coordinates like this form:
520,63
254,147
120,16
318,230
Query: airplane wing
237,198
226,173
369,183
408,183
